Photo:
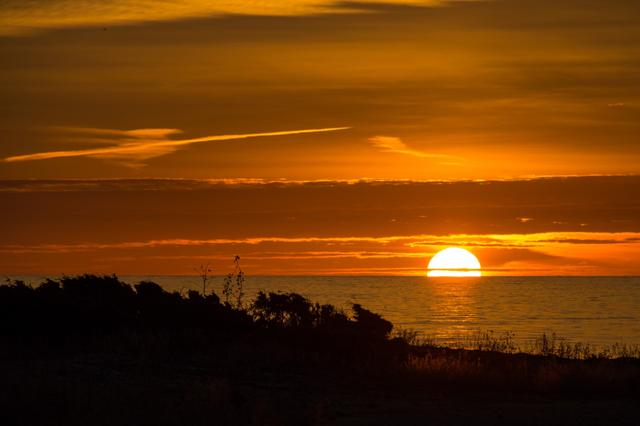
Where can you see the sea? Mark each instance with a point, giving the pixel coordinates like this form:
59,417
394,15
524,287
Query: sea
601,311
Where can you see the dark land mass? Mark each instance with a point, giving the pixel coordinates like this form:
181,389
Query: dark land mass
92,350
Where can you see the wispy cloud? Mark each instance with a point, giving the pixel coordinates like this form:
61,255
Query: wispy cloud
536,254
133,147
394,245
396,145
19,16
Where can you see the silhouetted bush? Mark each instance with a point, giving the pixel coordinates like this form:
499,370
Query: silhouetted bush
371,324
93,305
293,310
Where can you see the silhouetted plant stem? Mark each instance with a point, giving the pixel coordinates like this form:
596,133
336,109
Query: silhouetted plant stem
204,271
233,285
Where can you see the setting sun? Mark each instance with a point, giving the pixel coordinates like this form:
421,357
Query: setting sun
454,262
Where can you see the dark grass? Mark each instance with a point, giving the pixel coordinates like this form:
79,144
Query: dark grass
94,350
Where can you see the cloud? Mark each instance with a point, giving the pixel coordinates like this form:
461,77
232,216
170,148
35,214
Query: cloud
396,145
102,209
105,133
394,245
328,255
631,240
23,17
136,146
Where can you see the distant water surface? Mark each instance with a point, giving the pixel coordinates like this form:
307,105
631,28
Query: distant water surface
596,310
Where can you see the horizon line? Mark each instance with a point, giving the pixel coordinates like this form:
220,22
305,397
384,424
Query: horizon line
268,181
330,275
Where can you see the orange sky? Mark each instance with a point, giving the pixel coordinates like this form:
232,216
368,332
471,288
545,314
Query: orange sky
401,92
556,226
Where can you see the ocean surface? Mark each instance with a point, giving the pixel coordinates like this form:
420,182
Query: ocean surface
596,310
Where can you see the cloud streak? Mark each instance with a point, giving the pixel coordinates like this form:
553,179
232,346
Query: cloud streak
397,146
138,145
404,245
512,255
21,17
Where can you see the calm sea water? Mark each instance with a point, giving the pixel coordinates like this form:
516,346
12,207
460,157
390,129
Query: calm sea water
596,310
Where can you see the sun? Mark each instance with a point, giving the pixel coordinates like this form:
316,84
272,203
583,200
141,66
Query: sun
454,262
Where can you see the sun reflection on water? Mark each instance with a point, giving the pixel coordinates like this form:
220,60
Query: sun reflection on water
454,306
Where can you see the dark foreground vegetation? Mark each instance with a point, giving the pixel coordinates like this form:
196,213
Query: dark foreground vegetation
92,350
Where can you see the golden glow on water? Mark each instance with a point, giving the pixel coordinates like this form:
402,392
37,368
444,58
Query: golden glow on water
453,306
454,262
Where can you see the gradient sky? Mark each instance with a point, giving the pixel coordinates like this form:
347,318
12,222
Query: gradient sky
310,136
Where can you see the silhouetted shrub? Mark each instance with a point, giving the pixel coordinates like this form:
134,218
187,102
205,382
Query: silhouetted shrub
93,305
17,308
283,309
370,323
147,290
